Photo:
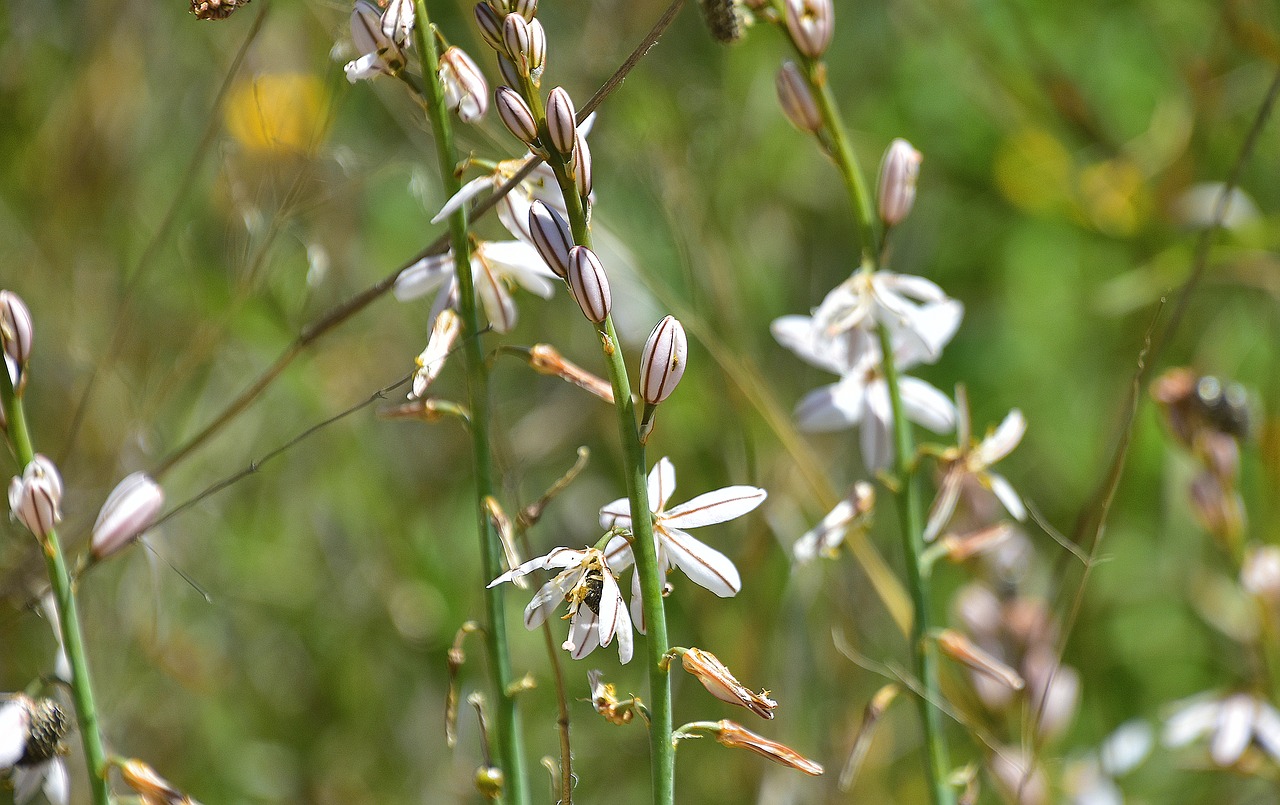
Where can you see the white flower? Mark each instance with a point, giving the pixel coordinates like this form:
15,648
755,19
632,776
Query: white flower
380,54
973,459
31,748
826,537
495,266
465,90
904,304
443,333
704,565
861,396
596,610
1232,723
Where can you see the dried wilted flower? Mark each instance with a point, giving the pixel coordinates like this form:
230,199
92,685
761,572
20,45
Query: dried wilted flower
871,716
854,511
1194,405
16,331
959,648
515,113
129,510
796,99
31,732
562,124
215,9
444,332
724,19
730,733
465,90
35,498
721,683
663,361
896,192
604,698
811,24
962,547
151,787
551,237
489,781
589,284
1260,572
547,360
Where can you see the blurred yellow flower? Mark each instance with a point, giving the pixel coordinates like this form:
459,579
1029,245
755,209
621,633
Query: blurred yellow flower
279,114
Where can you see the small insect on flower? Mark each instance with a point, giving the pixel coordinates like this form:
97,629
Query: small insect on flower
215,9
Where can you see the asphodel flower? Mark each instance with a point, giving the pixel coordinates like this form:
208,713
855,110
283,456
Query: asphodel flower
721,683
380,53
31,748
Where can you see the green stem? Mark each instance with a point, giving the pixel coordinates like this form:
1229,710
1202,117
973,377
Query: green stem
642,542
924,655
65,600
507,725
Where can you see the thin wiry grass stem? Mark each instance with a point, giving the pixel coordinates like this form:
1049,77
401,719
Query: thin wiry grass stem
509,739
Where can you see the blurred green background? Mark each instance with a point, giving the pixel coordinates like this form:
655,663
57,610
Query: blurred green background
174,215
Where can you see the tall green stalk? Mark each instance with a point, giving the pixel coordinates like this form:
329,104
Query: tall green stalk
510,749
924,657
65,601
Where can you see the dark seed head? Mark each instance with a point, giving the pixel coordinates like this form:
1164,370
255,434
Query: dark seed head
724,18
46,726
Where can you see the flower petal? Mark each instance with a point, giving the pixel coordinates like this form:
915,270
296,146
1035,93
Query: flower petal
704,565
662,482
557,557
522,263
1001,443
833,407
13,732
616,513
718,506
934,324
1005,493
423,277
944,505
1234,729
797,333
826,534
584,633
467,192
499,307
610,600
925,405
57,785
637,603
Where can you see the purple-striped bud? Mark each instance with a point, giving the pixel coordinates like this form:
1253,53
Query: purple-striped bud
515,38
525,8
397,21
662,363
562,124
510,73
551,237
516,114
797,99
581,165
589,284
898,172
130,509
35,498
537,51
16,332
490,24
465,90
811,24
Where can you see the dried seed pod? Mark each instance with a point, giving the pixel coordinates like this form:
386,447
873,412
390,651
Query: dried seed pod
961,649
589,284
724,19
215,9
733,734
551,237
811,24
154,789
663,361
490,24
562,123
581,165
797,99
721,683
516,114
897,188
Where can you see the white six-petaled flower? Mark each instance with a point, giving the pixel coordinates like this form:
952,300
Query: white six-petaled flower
30,748
906,305
380,53
704,565
1233,722
824,539
597,612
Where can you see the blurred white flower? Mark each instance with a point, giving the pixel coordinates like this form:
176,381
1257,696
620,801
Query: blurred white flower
973,459
597,612
824,539
444,332
704,565
31,748
1231,723
379,52
495,267
906,305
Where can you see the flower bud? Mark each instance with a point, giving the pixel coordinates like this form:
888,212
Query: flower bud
515,38
16,331
490,24
525,8
722,684
811,24
731,734
797,100
516,114
36,497
397,21
537,51
550,234
465,90
130,509
510,73
562,124
154,789
581,165
663,360
589,284
897,190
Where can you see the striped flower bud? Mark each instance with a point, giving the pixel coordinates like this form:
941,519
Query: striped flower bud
397,21
562,124
897,189
811,23
465,90
663,360
516,114
515,38
525,8
510,73
589,284
490,25
130,509
16,331
537,51
797,99
35,498
581,164
551,237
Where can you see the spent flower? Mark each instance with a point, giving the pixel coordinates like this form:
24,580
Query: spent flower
380,54
721,683
465,90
